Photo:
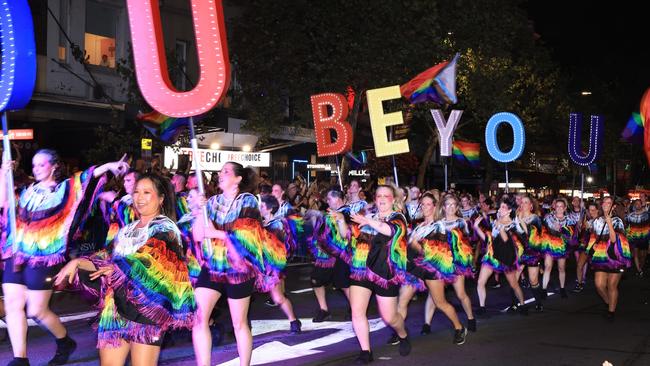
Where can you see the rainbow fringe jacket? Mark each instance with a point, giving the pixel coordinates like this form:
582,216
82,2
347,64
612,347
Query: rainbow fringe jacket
249,251
379,258
149,290
605,255
46,218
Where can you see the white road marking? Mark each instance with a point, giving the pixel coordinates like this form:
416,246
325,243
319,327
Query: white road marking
277,351
64,319
527,302
303,290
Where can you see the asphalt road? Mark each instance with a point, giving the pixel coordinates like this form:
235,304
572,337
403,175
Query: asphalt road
570,331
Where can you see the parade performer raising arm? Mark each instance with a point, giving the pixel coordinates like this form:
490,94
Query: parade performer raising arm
46,216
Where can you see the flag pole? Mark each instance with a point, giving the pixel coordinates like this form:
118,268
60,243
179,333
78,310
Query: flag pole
582,184
390,137
11,197
199,178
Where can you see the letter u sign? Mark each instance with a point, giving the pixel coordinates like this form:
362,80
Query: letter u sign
151,63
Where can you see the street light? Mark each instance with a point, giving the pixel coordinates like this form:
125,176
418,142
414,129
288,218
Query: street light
590,179
585,92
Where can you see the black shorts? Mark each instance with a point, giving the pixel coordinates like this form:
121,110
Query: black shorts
339,275
391,291
34,278
231,291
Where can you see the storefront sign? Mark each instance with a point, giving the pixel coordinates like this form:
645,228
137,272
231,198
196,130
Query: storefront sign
213,160
24,134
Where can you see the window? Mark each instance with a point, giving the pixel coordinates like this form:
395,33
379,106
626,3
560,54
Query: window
101,24
180,71
63,20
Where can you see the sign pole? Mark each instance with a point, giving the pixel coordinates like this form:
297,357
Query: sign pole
199,179
446,182
11,197
507,180
582,184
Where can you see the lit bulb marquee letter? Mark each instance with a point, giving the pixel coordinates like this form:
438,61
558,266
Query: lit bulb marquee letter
575,134
18,70
379,121
337,121
519,137
446,128
151,63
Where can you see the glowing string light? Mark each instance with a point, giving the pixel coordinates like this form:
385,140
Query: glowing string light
575,135
519,135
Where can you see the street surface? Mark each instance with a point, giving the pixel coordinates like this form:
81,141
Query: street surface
570,331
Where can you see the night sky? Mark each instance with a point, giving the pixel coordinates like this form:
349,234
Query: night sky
598,44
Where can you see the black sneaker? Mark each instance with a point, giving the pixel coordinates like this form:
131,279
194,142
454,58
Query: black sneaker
393,340
609,315
459,336
270,302
523,309
404,346
19,361
512,308
322,316
471,325
295,326
544,293
426,329
481,311
563,293
578,288
539,307
365,357
64,348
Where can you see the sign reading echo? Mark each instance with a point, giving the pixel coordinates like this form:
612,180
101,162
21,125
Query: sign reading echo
213,160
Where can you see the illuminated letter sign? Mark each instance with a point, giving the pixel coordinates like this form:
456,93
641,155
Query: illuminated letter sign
151,63
446,129
18,70
575,134
379,121
519,137
324,123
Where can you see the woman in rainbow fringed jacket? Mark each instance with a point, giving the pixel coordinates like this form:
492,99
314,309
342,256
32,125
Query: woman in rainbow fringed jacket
48,212
378,266
609,254
141,280
238,257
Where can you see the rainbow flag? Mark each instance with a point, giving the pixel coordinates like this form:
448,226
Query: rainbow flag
633,132
436,84
644,109
467,152
165,128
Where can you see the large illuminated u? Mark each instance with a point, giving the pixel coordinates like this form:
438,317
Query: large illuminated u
575,134
151,63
